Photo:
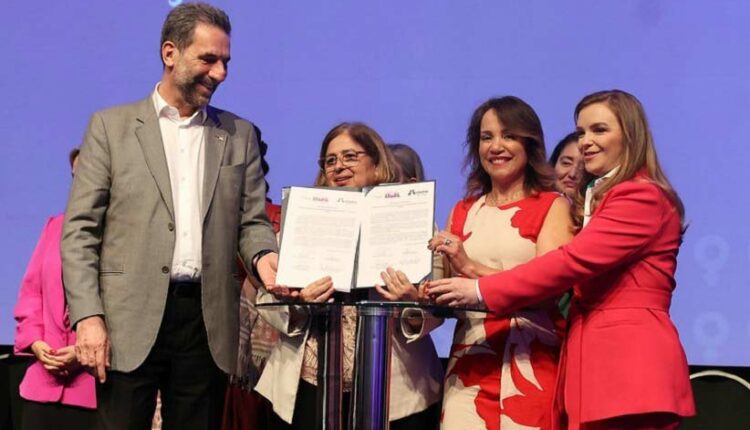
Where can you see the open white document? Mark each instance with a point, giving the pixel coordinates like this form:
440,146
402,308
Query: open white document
352,235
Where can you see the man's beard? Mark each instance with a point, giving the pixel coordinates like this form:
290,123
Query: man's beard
192,95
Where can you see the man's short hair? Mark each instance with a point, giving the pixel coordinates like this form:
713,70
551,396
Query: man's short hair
180,23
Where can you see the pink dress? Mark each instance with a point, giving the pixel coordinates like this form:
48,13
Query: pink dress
501,370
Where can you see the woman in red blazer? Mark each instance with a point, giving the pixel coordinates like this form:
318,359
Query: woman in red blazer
623,366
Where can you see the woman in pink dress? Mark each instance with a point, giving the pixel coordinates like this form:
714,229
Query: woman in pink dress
501,370
56,390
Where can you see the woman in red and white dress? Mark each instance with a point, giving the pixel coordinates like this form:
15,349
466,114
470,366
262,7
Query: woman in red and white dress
501,370
623,366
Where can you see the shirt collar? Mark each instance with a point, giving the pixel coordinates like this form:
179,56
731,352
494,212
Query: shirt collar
587,209
164,109
600,179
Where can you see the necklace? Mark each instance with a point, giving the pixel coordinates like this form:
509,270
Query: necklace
492,200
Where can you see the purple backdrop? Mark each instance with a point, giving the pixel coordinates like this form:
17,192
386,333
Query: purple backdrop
414,71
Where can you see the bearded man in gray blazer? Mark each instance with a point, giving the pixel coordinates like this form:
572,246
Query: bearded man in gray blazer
168,191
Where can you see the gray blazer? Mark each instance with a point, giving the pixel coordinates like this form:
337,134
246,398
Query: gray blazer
119,232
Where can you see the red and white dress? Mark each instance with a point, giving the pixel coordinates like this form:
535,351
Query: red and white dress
501,370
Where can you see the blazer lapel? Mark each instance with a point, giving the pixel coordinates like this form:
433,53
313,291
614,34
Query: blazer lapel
216,140
149,137
53,294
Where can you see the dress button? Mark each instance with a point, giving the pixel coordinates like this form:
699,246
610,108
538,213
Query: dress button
170,226
165,269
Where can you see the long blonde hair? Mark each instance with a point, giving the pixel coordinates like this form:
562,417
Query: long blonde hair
638,150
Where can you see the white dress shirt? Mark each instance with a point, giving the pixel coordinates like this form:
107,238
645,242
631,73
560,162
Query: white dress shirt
183,140
587,209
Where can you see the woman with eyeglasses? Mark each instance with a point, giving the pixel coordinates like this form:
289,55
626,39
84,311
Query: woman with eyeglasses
351,155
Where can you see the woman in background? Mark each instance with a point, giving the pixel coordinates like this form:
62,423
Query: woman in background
623,365
416,323
567,163
566,160
408,163
502,369
56,390
351,155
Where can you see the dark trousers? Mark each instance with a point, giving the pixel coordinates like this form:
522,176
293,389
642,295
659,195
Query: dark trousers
305,416
47,416
179,365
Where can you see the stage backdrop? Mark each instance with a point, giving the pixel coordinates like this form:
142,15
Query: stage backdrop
414,71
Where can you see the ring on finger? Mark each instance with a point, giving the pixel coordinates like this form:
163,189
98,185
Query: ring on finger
447,241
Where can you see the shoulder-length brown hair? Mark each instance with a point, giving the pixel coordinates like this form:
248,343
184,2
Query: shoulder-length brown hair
520,120
372,144
638,149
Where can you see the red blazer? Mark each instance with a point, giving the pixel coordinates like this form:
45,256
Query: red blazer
622,354
40,315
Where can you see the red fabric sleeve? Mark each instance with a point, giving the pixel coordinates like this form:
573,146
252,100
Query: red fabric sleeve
629,218
273,212
531,214
458,217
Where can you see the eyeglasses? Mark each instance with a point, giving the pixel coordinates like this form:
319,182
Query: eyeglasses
348,159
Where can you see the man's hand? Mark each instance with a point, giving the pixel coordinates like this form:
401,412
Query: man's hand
267,266
92,346
318,291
